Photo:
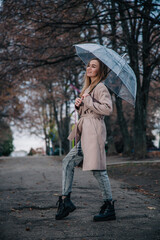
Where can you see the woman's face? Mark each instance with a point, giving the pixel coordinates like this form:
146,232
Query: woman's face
93,69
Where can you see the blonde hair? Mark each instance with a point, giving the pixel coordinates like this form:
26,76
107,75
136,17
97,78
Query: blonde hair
102,74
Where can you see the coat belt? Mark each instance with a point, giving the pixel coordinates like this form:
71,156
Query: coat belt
76,132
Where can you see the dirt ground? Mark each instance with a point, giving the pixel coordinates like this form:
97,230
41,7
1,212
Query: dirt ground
143,177
29,190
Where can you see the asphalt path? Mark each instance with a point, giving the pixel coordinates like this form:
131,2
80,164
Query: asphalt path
29,190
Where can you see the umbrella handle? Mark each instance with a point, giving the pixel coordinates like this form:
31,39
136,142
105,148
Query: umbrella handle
123,56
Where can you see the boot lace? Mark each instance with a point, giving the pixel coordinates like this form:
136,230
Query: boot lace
103,208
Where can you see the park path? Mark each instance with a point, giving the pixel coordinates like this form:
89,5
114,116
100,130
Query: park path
29,189
116,160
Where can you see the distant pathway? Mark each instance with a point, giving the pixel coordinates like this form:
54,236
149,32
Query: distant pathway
119,162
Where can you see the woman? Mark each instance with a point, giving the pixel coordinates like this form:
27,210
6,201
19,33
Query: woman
93,104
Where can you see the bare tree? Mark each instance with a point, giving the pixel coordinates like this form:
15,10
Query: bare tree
142,42
37,42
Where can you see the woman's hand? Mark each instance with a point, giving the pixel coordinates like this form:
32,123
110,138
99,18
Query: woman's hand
78,102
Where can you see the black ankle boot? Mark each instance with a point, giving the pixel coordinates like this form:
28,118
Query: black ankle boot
65,206
69,204
106,213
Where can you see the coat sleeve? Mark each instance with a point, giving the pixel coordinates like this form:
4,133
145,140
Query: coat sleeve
102,105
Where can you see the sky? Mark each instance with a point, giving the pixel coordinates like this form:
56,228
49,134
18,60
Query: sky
26,141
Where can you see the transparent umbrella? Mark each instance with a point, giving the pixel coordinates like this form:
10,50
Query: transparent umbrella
121,78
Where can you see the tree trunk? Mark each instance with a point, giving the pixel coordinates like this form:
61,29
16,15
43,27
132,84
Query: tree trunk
66,121
120,115
139,133
140,141
132,33
124,128
110,141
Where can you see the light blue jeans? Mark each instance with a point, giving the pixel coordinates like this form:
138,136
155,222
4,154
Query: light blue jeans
73,159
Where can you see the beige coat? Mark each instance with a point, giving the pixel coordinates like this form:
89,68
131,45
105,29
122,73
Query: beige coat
91,127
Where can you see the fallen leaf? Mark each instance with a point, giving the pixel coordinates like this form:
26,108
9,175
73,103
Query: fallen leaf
151,208
13,210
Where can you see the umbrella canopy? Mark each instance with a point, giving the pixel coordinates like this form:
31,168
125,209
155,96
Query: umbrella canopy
121,79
